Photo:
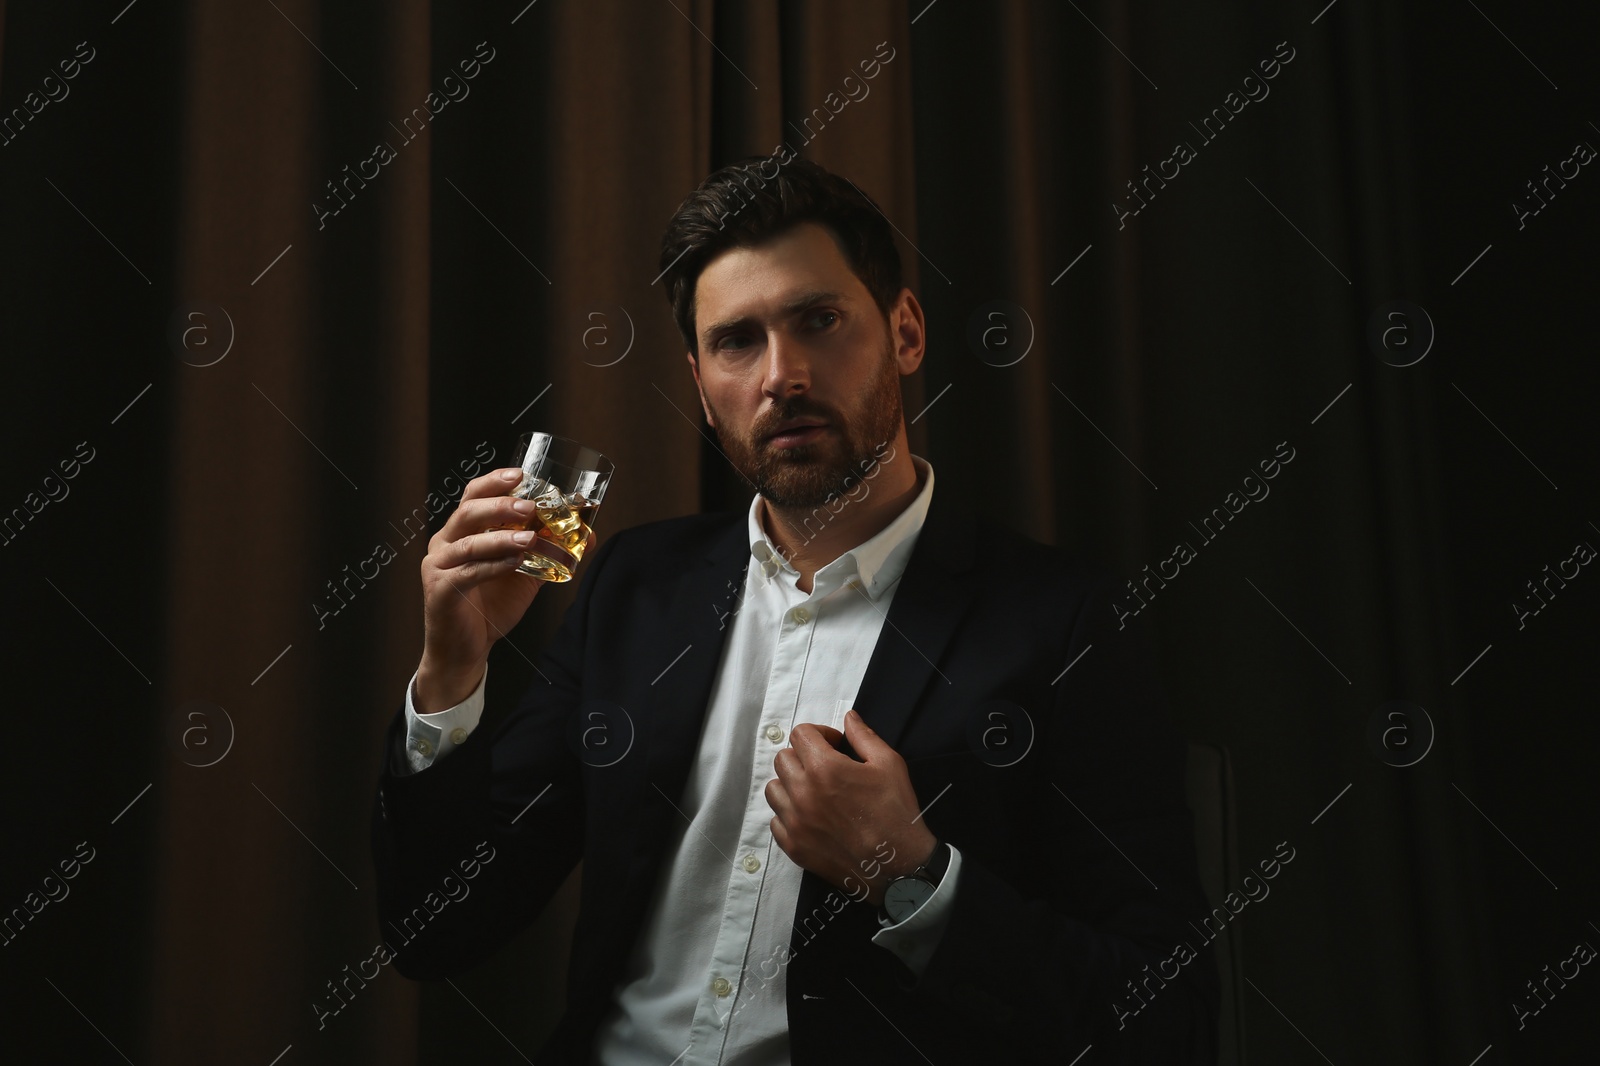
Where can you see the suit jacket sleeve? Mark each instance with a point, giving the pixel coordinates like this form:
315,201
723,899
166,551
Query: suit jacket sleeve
471,849
1113,888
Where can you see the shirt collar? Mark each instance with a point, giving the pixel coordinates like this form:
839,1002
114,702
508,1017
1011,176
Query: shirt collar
877,563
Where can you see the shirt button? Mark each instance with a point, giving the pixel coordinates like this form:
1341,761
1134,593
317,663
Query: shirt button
800,615
458,735
423,747
774,734
721,986
751,864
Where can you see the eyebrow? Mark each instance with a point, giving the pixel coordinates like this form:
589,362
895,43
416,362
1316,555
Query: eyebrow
793,307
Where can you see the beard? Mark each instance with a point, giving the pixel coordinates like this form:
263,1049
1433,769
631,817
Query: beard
808,475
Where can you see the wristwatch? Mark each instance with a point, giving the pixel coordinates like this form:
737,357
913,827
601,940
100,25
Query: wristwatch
904,895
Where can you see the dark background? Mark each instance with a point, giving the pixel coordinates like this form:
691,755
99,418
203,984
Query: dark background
371,359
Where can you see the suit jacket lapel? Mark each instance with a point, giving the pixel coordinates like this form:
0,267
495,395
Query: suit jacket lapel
694,629
935,591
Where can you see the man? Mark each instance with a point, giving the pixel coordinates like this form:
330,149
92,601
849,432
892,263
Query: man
986,859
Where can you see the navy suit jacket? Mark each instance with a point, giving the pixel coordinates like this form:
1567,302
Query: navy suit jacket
1063,791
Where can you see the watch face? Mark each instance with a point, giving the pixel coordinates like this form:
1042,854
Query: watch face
903,896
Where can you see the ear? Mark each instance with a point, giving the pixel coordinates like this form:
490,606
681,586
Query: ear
694,367
908,332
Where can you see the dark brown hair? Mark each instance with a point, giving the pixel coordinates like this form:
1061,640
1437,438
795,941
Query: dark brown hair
759,197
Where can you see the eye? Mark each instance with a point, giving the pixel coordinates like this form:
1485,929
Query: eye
830,315
722,344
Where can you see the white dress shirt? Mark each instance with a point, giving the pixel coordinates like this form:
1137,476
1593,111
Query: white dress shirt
705,982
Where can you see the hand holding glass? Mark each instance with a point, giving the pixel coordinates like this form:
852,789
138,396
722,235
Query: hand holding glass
565,481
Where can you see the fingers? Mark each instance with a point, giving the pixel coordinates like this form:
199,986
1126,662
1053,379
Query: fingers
477,515
495,483
811,741
863,740
780,836
830,735
485,502
778,798
469,575
486,507
495,546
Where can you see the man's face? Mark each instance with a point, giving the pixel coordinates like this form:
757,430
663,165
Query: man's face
798,371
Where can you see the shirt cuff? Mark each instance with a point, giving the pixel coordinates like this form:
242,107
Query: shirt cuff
914,938
428,736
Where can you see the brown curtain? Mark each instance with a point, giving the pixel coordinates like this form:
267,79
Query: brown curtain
497,274
300,442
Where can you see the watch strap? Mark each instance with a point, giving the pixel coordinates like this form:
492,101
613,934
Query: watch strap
937,863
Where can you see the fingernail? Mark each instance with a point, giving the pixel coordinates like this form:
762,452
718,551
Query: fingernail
510,475
525,537
523,507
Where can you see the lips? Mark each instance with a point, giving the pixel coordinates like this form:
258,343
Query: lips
795,426
796,434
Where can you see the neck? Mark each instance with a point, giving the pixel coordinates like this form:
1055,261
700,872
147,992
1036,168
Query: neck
812,537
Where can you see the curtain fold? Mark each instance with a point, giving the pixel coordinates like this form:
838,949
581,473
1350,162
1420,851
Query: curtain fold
289,458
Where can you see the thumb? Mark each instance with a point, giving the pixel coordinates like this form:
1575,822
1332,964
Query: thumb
862,738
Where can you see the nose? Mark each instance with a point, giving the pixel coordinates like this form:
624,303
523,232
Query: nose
788,368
